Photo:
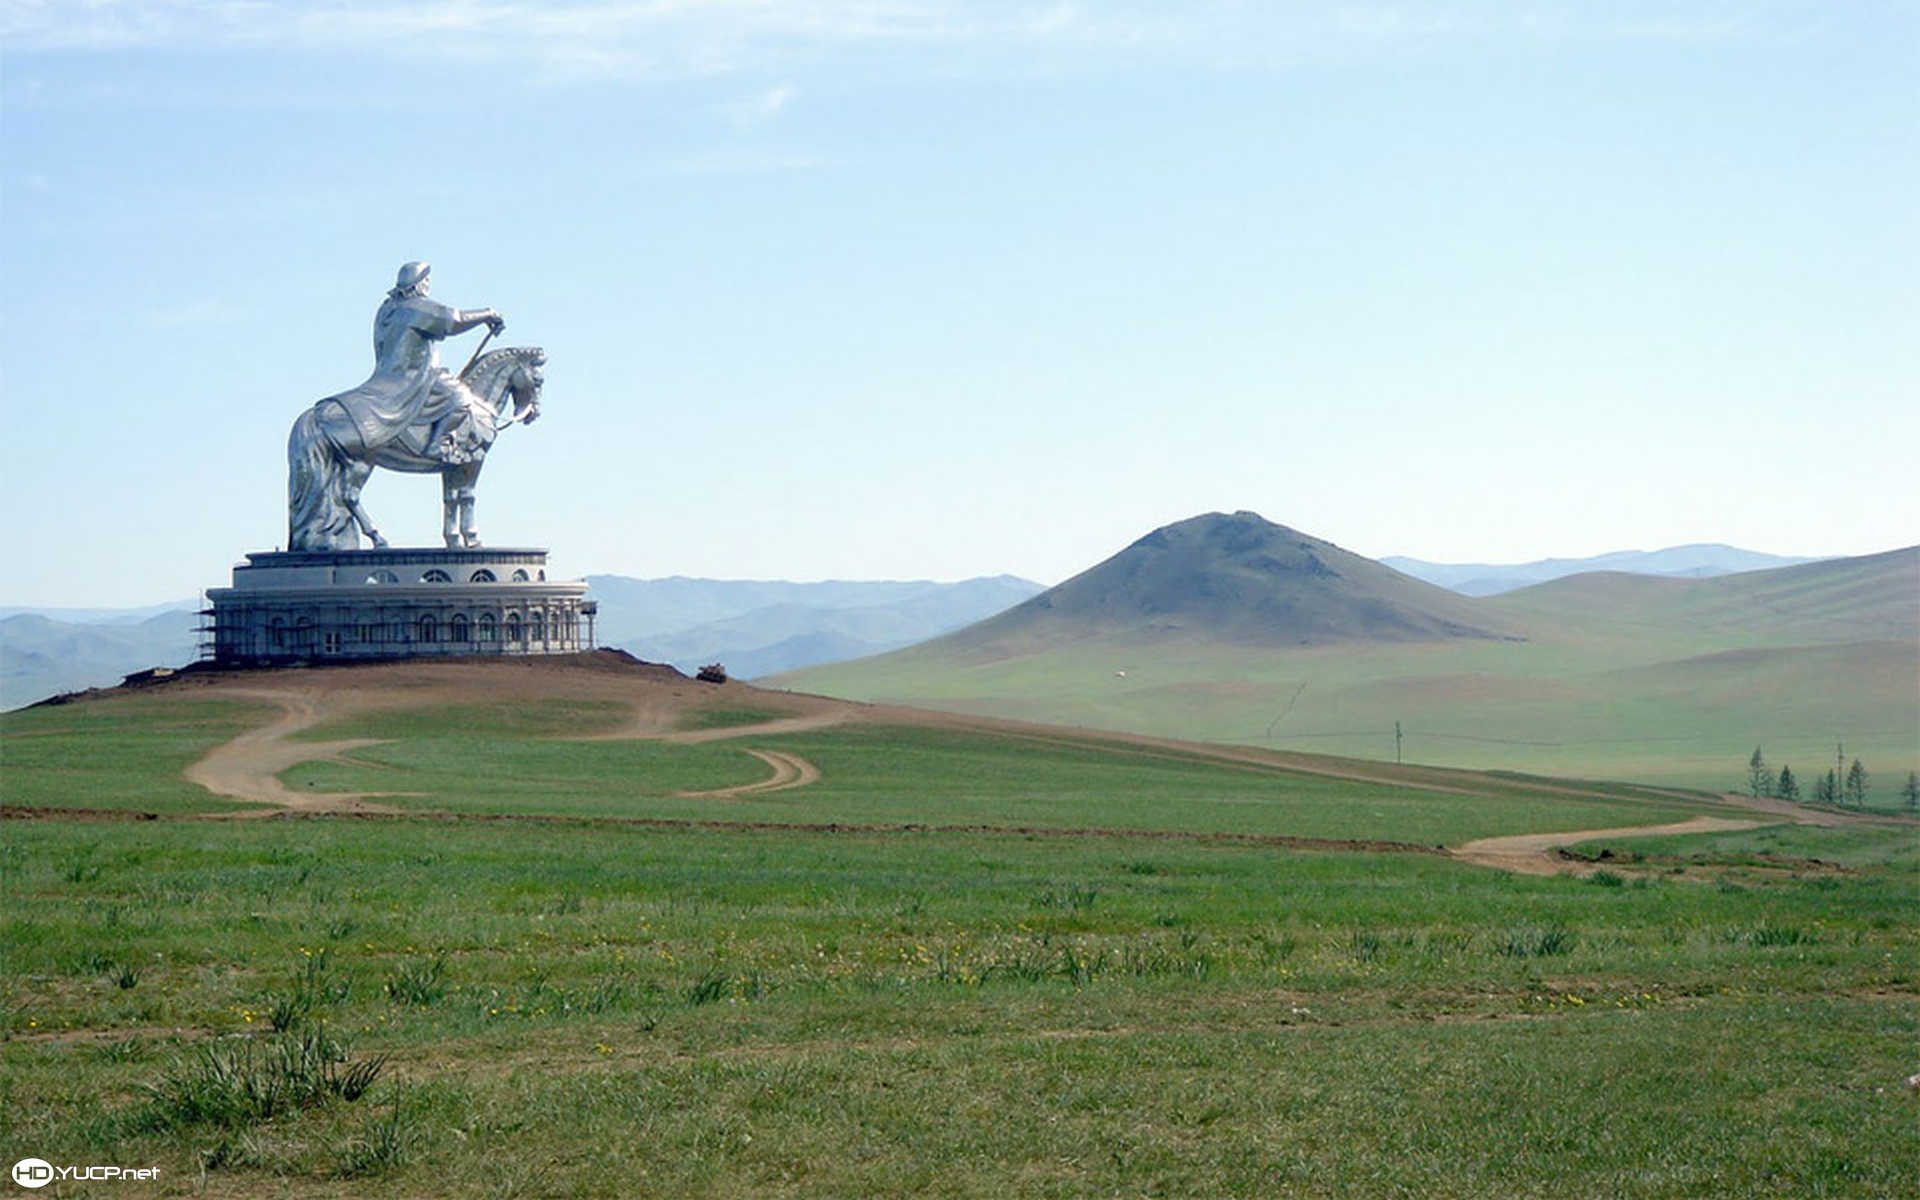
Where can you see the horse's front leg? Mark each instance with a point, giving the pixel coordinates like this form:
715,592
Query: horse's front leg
470,474
450,506
356,478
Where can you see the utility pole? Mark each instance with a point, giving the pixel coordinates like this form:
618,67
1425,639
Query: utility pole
1396,741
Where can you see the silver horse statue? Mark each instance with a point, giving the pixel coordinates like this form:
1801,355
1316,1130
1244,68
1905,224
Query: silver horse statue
329,461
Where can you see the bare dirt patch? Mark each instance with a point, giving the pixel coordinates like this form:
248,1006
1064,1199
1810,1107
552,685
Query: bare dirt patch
1539,853
789,771
248,767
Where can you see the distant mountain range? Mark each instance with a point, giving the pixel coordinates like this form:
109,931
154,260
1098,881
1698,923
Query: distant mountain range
1697,561
758,627
41,656
752,627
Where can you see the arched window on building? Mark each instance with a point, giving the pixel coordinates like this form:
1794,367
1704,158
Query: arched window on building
514,628
429,629
383,576
277,633
538,630
436,576
482,576
543,576
303,634
483,628
520,575
457,628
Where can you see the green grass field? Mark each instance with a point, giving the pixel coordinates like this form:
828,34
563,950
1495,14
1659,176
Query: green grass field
123,755
465,1005
900,775
1616,706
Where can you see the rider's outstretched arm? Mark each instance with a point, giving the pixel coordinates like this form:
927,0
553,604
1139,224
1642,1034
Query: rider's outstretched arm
465,319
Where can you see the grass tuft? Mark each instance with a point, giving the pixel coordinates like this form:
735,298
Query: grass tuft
712,986
386,1144
240,1083
1072,897
1769,934
1364,947
314,986
418,983
1533,941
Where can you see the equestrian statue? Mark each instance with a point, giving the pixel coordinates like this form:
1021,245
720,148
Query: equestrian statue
410,415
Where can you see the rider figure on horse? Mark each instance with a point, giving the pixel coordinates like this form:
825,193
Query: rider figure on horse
409,415
408,380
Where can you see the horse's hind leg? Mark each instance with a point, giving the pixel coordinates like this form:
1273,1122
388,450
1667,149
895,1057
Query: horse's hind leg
356,475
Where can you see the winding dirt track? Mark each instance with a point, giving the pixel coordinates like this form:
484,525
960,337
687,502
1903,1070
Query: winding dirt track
1538,853
789,771
248,767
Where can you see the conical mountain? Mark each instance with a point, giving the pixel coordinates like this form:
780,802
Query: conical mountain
1236,578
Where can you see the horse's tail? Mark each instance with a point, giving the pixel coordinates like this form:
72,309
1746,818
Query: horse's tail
317,514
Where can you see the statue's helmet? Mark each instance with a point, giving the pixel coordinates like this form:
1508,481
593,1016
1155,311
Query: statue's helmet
412,274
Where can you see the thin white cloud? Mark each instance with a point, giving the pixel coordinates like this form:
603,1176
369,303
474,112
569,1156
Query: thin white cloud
761,107
659,37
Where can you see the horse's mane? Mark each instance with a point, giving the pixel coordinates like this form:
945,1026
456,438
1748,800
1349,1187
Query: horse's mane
490,367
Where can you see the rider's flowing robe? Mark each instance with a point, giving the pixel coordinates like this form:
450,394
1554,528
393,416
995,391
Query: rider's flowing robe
407,332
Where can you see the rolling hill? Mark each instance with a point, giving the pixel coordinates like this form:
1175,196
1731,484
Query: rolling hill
1235,578
1668,680
1698,560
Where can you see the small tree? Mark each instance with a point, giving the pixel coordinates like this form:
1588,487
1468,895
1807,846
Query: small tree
1826,789
1910,790
1786,787
1857,785
1759,779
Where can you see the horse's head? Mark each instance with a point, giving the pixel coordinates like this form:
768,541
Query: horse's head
525,383
507,375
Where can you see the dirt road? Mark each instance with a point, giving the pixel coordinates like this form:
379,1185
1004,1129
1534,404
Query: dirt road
248,767
789,771
1537,853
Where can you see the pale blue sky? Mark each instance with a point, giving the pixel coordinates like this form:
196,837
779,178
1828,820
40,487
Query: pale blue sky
922,288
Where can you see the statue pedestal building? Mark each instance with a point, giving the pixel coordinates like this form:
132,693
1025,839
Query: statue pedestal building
343,605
